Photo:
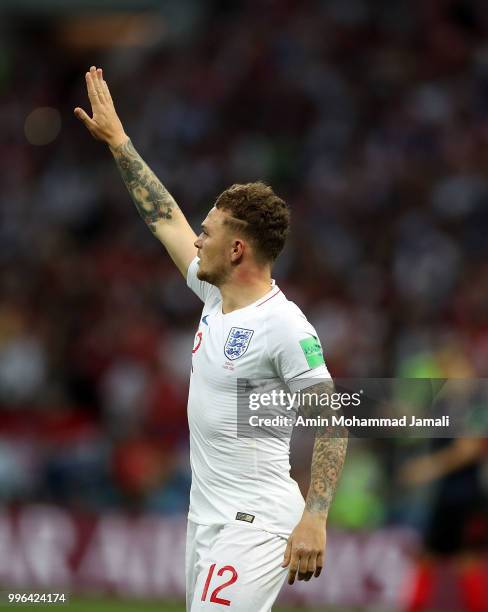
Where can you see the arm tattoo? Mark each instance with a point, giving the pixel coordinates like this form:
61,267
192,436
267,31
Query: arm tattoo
328,455
152,200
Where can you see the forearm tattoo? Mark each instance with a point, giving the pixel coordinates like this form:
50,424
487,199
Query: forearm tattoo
152,200
328,456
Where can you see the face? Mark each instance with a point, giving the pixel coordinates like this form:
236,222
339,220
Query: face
214,246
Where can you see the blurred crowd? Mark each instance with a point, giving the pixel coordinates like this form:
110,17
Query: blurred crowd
369,118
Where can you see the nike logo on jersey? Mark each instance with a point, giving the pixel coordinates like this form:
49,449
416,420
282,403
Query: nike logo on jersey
204,319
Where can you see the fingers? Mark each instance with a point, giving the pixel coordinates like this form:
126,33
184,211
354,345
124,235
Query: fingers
82,116
103,85
319,564
310,568
302,566
298,563
99,85
90,86
287,557
94,86
105,89
293,568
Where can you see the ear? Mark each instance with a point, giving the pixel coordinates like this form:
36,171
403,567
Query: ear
237,251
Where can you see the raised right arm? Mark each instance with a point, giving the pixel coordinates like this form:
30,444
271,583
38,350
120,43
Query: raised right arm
154,203
156,206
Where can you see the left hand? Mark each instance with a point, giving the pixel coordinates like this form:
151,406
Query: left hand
305,550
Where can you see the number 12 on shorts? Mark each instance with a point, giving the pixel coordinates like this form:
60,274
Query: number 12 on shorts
214,595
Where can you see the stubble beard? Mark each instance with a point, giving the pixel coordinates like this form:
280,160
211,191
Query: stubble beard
205,276
216,277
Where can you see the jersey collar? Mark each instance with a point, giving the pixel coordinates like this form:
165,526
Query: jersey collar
271,294
275,290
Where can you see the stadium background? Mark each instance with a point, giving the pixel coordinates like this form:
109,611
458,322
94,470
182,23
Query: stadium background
371,120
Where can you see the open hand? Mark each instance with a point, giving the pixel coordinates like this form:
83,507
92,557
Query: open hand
104,125
304,552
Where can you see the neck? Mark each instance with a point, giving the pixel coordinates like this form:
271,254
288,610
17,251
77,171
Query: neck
244,288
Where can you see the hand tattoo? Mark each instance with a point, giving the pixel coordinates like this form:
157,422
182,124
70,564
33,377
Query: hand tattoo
152,200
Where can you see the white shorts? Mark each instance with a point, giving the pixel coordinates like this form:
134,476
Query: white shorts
235,566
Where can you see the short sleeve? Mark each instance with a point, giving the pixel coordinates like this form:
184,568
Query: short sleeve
203,290
295,350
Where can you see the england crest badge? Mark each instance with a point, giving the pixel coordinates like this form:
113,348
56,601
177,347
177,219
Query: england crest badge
237,342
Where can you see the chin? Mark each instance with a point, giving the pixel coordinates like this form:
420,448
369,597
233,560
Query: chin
202,275
208,277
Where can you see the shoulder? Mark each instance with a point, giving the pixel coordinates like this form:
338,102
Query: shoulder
293,345
284,322
284,313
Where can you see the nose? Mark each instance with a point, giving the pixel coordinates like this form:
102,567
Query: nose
197,243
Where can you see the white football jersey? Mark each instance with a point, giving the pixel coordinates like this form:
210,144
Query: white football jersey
236,477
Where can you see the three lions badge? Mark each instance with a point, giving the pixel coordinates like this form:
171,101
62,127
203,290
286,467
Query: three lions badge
237,342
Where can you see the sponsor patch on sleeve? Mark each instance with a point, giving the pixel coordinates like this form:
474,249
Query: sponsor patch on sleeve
313,352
